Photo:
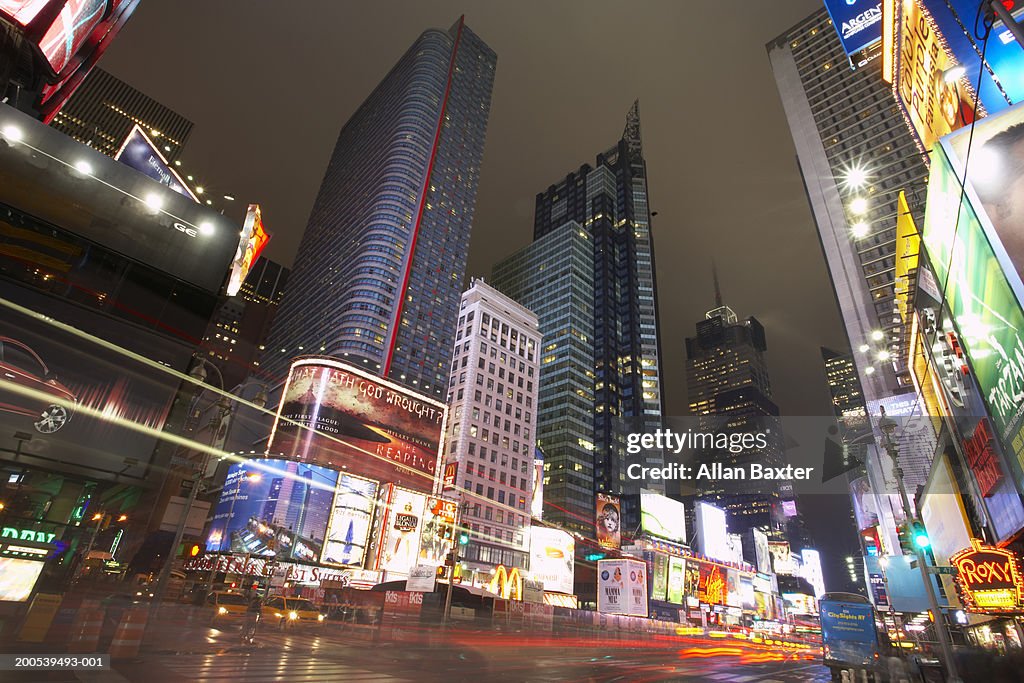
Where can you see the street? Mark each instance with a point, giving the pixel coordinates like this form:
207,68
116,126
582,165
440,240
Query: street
215,654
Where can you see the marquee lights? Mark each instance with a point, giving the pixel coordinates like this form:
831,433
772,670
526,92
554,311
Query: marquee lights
989,579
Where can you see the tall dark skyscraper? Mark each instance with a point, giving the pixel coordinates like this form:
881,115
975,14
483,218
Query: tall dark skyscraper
104,109
379,272
610,201
729,392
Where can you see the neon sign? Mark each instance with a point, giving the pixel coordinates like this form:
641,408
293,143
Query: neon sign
989,579
27,535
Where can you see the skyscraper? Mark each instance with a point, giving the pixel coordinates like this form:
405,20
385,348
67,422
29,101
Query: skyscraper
235,338
554,278
610,201
852,144
493,428
379,271
729,392
103,110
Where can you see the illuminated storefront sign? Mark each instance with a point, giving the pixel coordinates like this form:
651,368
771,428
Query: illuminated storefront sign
451,473
507,584
27,535
989,579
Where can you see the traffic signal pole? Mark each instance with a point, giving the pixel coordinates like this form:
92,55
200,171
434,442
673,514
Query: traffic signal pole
888,426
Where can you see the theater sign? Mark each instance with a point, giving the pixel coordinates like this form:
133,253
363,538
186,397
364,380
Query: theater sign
989,579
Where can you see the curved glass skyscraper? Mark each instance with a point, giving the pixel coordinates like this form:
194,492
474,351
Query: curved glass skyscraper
379,272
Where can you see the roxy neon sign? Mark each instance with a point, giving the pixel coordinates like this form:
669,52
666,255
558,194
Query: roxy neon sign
989,578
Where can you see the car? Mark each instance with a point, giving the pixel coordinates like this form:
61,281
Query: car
285,612
226,605
53,404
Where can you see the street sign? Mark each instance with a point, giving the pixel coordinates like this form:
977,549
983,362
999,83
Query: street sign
948,571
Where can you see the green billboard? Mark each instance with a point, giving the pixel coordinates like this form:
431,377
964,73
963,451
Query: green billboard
986,311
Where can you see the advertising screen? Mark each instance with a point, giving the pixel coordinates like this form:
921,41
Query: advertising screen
253,239
66,35
537,497
608,520
762,556
810,569
81,401
622,587
335,415
845,621
982,301
438,531
676,579
712,533
274,508
552,557
782,557
691,581
348,530
713,586
401,528
18,578
139,152
659,575
932,104
662,517
22,11
858,22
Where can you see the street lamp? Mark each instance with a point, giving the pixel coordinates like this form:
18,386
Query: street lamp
888,427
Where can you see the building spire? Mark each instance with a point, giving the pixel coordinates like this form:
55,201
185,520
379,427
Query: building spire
631,135
718,287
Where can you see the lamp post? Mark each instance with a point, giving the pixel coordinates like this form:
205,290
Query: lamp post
888,426
199,374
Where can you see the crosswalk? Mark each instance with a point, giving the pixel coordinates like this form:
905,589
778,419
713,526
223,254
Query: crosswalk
257,666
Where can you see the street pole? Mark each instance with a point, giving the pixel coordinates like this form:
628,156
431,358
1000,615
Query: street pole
454,554
888,426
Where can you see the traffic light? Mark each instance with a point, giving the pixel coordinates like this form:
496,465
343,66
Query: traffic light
463,538
920,536
906,543
195,550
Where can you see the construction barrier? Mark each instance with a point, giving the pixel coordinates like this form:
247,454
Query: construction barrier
85,634
128,637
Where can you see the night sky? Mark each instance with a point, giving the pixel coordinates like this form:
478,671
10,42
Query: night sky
268,92
268,88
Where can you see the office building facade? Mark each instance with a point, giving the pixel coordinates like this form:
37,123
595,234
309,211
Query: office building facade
378,275
553,277
729,391
104,109
493,392
610,201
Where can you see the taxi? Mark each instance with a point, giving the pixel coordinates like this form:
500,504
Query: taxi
226,605
288,612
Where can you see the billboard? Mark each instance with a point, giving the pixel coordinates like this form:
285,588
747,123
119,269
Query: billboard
22,11
810,569
858,23
78,400
931,103
676,579
274,508
253,239
138,152
659,574
335,415
622,587
348,530
712,587
762,556
438,531
847,621
400,513
186,240
943,514
552,554
691,581
712,532
662,517
982,301
608,521
18,577
782,557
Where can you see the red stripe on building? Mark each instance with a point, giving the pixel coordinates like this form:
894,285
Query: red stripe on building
423,203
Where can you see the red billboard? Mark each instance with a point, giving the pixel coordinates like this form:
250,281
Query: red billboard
335,415
250,246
